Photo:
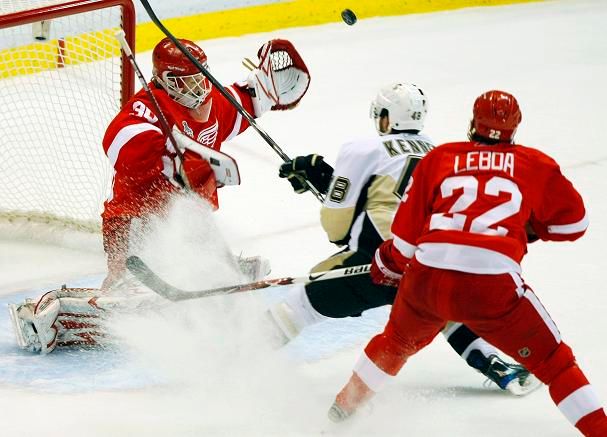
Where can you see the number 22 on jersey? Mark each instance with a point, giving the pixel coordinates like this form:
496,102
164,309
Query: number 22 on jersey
485,223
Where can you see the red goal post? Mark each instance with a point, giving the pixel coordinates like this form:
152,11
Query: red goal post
63,78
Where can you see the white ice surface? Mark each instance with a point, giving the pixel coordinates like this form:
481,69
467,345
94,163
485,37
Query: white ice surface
205,369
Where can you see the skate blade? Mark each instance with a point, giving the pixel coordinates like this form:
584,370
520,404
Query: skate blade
530,385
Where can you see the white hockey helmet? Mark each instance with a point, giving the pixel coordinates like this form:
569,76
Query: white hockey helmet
405,105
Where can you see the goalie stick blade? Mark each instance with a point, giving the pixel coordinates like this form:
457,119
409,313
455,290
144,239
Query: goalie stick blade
143,273
148,278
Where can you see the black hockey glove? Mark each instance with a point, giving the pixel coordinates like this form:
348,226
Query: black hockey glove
312,168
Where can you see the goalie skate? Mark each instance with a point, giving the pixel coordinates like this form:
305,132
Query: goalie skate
34,323
24,332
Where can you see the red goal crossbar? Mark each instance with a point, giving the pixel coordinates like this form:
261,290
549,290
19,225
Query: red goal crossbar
79,6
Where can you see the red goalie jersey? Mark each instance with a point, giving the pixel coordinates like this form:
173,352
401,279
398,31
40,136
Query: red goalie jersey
146,170
468,205
143,158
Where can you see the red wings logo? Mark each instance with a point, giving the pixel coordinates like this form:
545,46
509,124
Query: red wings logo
208,136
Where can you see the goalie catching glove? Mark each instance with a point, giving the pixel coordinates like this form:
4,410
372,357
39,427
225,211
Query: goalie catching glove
280,80
311,168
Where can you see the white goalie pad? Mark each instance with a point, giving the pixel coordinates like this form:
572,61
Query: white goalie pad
223,165
71,317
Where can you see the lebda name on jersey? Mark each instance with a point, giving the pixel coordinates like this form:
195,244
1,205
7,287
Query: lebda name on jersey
485,160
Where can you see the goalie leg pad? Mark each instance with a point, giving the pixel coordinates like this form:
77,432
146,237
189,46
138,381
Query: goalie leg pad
68,316
73,316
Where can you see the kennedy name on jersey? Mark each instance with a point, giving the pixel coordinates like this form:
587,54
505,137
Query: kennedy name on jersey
398,146
485,160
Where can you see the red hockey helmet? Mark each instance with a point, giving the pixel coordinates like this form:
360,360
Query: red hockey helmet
495,116
179,77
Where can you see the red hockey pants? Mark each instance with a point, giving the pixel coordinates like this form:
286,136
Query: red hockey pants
502,310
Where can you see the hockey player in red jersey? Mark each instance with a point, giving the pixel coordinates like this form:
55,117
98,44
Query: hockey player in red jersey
363,194
144,160
147,170
459,236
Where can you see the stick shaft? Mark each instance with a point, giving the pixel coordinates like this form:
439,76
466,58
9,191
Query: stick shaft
151,280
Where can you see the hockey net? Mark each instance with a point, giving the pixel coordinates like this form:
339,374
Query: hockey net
62,80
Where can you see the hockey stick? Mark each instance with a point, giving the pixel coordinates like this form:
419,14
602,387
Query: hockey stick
225,93
120,36
151,280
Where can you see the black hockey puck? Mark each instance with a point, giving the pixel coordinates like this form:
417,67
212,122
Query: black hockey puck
348,16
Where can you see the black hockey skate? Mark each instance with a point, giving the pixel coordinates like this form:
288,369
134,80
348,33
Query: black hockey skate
507,376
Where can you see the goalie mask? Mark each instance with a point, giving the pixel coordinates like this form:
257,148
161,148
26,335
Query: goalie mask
404,104
495,117
178,76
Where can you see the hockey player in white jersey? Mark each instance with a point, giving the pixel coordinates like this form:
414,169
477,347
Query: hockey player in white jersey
362,195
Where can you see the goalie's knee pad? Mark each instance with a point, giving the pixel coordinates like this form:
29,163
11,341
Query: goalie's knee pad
35,323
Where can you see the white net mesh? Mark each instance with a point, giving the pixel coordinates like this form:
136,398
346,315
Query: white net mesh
10,6
60,85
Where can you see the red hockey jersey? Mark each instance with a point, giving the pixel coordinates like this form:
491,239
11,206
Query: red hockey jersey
144,159
468,204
